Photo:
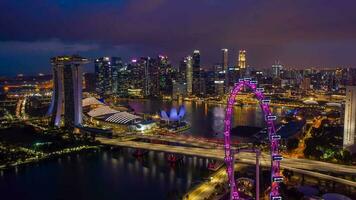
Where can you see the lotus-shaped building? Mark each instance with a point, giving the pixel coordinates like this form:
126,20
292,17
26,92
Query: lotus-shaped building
173,114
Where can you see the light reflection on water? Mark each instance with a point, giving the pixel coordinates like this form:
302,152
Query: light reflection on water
207,120
105,175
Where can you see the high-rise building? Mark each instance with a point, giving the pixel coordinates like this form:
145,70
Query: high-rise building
123,81
225,68
189,74
145,63
277,70
136,81
106,69
242,59
166,76
179,90
182,70
209,81
196,73
202,83
305,85
89,82
225,55
350,76
349,141
233,74
67,90
220,80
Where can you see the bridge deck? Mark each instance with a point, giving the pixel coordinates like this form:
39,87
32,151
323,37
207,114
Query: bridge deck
303,166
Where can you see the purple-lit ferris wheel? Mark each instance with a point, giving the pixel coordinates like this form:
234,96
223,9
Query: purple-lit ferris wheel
276,177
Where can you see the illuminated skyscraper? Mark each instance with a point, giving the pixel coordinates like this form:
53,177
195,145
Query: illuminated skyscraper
166,75
224,70
242,59
182,71
225,55
136,80
106,73
89,80
189,74
123,81
196,73
67,90
350,119
145,63
277,70
220,80
305,84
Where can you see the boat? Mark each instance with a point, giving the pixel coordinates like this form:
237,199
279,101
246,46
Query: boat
180,127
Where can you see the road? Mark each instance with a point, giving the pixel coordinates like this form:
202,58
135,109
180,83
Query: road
299,151
304,166
182,139
207,188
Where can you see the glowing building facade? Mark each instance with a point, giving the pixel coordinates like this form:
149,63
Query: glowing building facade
277,70
196,73
67,90
350,119
106,75
189,74
242,59
225,57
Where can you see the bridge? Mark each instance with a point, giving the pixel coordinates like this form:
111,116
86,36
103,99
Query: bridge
303,166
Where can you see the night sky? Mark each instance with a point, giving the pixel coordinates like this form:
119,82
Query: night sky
298,33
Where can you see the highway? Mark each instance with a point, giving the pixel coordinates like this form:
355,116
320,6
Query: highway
304,166
207,188
193,141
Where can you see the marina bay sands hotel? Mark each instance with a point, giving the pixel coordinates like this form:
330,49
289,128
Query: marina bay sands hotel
67,91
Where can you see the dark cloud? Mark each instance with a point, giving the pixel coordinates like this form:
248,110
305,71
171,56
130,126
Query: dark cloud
299,33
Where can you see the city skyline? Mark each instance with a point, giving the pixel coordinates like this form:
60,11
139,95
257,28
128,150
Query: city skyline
177,100
289,32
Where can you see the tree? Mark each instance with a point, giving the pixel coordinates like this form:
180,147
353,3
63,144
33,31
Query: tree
346,156
292,144
287,173
354,158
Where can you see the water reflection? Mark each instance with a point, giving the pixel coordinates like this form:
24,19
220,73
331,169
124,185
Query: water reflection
105,175
207,120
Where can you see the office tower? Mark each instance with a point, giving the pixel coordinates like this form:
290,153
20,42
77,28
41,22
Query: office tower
189,74
349,76
106,69
182,70
196,73
242,59
305,84
123,81
166,74
209,81
349,140
224,63
233,74
137,77
220,81
277,70
179,89
225,68
89,82
258,76
67,90
145,65
202,83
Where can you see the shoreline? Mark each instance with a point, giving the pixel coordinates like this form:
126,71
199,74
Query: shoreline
223,103
49,156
